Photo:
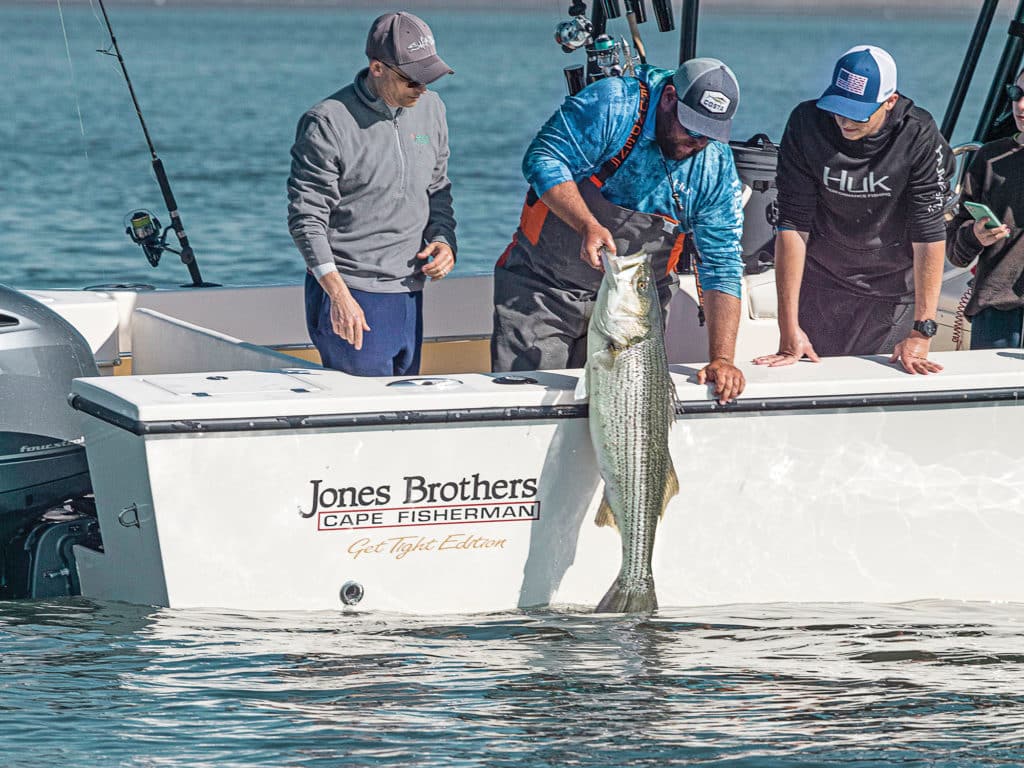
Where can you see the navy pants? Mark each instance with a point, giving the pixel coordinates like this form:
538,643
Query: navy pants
390,348
996,329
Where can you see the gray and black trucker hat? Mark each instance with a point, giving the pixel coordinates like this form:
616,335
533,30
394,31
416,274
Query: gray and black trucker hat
708,96
406,42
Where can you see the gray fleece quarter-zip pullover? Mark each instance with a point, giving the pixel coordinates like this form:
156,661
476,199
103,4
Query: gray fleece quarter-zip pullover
369,187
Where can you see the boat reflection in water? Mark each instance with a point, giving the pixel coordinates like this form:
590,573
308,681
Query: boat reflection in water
833,684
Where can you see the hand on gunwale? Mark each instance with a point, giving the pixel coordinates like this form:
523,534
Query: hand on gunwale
791,350
728,379
912,353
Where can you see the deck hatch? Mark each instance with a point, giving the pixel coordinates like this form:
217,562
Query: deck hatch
261,383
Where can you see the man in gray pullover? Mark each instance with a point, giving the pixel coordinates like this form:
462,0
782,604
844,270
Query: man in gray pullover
370,204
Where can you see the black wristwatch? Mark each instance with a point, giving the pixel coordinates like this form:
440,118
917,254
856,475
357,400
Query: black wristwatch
927,328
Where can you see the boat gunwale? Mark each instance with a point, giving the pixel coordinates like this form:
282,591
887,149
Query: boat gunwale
414,417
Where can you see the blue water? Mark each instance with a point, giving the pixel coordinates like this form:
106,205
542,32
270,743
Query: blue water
221,91
85,684
921,684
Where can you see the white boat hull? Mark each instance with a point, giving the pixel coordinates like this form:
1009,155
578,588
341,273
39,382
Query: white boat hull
907,489
204,481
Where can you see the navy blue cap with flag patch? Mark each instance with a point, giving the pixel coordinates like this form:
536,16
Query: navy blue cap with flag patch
864,77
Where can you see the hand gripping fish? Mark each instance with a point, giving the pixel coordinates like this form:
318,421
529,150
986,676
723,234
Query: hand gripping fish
632,406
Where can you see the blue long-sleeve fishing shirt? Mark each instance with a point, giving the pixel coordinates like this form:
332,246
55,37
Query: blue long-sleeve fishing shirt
593,126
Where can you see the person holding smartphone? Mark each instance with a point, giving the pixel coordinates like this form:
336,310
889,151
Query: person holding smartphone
995,179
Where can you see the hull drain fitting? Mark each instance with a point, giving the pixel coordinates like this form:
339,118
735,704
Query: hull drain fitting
351,592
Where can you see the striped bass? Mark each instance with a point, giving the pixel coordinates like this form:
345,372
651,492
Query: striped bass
632,406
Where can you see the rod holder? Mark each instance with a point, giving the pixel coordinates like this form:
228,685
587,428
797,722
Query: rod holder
663,14
575,79
639,10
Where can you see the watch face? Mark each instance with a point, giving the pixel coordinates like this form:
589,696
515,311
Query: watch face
928,327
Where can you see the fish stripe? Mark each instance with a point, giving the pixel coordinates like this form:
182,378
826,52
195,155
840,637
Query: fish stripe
631,405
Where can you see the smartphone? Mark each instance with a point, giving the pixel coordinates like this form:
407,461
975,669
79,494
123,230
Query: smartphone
980,211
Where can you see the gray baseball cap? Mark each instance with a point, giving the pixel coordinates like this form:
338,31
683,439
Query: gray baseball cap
708,96
406,42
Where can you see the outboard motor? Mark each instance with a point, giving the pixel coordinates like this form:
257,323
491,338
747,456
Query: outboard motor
44,478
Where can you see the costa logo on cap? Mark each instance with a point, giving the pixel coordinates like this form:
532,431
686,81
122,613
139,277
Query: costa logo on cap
707,95
715,101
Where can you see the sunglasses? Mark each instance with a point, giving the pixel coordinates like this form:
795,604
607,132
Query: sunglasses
694,134
1014,92
405,78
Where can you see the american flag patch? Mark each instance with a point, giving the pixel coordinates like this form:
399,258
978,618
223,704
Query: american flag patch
852,83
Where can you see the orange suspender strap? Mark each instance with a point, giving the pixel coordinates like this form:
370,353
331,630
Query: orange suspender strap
613,163
531,221
676,253
507,252
679,249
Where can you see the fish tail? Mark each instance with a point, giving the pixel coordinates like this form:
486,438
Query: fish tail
634,597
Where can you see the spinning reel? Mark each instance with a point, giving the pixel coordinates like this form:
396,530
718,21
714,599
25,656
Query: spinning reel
143,227
606,56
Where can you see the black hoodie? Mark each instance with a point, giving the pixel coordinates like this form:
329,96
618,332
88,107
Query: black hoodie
864,202
996,177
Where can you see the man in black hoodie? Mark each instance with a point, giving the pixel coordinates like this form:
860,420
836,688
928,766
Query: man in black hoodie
863,177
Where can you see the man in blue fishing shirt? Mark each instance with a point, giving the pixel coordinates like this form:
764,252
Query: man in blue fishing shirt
627,163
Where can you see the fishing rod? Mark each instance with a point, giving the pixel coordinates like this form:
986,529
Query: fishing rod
636,14
143,227
970,63
996,120
607,57
688,30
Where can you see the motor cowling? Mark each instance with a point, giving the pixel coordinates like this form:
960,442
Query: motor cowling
40,353
42,456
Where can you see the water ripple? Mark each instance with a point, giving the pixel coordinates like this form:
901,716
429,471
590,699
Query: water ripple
928,683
